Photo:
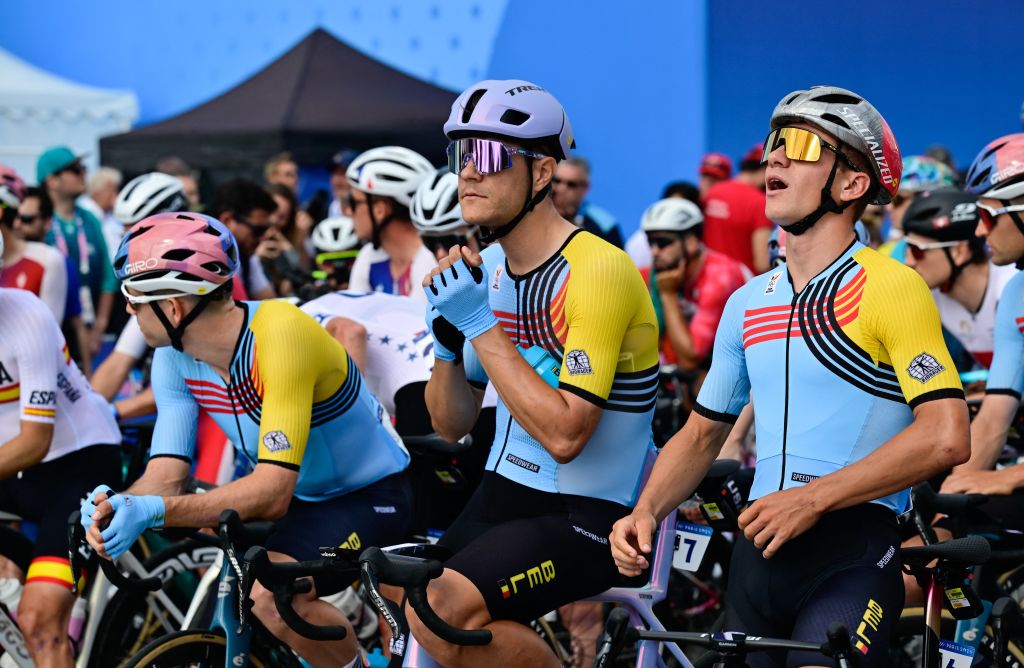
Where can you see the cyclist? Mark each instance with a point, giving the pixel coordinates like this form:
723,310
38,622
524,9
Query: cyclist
690,283
920,173
437,216
997,179
942,247
149,194
29,265
57,440
336,247
576,397
855,395
327,463
382,182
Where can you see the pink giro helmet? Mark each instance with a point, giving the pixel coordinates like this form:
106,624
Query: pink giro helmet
12,188
187,253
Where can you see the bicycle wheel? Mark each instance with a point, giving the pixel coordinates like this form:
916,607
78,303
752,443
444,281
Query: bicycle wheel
195,649
129,622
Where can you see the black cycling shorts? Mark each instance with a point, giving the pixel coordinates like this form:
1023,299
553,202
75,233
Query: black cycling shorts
845,569
529,552
47,493
376,515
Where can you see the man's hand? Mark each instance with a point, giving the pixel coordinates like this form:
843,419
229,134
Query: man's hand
971,481
630,539
458,289
669,280
129,516
774,519
93,499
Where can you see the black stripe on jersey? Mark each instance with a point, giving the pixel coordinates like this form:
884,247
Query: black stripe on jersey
1004,390
242,388
833,348
339,402
704,411
581,393
537,303
949,393
634,392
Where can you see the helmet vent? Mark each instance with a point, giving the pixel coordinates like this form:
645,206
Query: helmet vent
184,216
514,117
467,111
832,118
980,177
139,231
838,98
793,99
178,254
216,267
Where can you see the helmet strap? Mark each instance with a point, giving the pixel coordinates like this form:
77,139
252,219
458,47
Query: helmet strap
954,270
176,333
828,205
490,235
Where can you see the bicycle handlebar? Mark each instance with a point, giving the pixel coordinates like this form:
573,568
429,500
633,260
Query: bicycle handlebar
928,501
76,538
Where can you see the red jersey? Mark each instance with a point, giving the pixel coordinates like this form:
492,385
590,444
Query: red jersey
40,270
733,210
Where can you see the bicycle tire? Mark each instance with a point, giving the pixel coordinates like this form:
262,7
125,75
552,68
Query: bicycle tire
128,624
206,648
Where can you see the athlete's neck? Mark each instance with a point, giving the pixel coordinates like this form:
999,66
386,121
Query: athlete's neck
64,206
536,238
212,337
970,286
401,242
694,266
810,253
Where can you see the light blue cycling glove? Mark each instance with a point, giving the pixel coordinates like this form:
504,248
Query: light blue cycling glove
132,516
89,504
460,294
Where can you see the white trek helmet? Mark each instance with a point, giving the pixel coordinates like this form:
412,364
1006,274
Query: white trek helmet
672,214
148,195
435,207
389,171
333,235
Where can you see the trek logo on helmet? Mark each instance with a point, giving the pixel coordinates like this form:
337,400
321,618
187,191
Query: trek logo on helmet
511,92
874,145
140,265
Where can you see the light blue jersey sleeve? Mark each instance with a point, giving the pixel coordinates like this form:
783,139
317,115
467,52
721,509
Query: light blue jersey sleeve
727,386
177,413
1006,374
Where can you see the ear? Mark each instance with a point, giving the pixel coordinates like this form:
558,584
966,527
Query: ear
543,172
961,252
852,185
381,208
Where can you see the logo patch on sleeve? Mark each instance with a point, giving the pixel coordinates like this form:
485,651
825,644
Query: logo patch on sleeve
276,441
578,363
924,367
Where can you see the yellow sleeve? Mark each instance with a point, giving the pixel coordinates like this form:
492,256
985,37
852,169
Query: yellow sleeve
610,320
904,322
297,363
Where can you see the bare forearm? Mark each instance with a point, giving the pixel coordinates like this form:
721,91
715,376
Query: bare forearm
919,452
987,439
539,408
20,453
679,333
143,403
450,399
111,374
103,309
682,464
254,499
733,448
82,336
149,485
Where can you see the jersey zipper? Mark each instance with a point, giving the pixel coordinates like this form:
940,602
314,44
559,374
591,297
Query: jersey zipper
508,426
785,409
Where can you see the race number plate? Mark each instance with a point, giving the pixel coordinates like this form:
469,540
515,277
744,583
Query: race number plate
954,655
691,543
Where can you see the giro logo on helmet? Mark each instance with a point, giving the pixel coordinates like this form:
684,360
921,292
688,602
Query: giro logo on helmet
1013,169
873,144
522,89
140,265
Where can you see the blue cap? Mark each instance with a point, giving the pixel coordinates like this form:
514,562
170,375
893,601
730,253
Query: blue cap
53,160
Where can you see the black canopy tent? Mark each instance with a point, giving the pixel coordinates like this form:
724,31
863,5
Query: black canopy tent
317,98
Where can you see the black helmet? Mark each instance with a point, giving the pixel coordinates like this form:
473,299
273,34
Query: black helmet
948,214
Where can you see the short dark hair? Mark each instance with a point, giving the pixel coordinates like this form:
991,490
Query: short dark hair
684,189
45,203
241,197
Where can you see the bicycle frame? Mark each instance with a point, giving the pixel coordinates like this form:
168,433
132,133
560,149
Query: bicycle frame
13,643
640,601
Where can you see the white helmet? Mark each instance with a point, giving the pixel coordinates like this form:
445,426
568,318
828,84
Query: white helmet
389,171
333,235
435,206
148,195
672,214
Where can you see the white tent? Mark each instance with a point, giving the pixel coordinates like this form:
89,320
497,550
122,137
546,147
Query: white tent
39,110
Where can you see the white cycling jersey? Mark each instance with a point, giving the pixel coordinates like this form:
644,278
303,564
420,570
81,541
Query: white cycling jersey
399,347
40,383
371,272
976,331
